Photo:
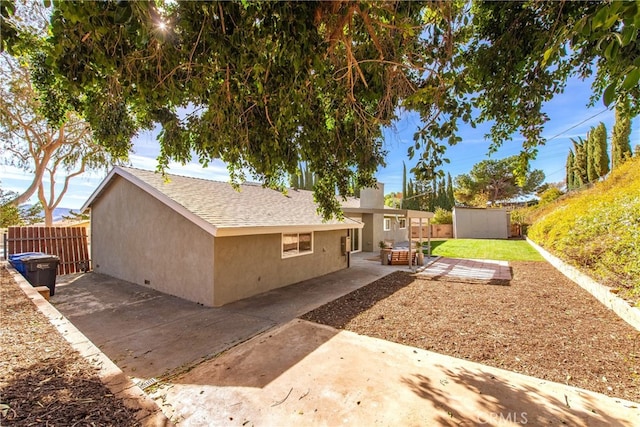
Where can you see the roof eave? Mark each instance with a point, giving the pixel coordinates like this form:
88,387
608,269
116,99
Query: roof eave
277,229
157,194
202,223
409,213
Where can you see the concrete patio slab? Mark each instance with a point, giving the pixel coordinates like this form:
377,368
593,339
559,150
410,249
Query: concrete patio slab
252,363
308,374
147,333
150,334
468,270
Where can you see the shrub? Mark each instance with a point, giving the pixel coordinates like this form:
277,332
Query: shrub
550,195
442,216
598,230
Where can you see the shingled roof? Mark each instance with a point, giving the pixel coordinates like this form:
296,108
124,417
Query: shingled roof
222,210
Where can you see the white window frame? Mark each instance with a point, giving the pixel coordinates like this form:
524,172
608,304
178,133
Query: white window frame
297,252
386,224
402,223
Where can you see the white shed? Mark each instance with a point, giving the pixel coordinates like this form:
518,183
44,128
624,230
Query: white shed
481,223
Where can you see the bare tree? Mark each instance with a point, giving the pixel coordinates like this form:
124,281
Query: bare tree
29,142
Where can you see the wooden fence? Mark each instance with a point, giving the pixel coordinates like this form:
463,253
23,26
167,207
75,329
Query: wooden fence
438,231
68,243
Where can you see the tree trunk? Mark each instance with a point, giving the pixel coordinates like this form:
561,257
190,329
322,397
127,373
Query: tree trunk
48,216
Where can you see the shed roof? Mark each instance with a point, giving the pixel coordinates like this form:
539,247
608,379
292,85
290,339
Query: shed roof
222,210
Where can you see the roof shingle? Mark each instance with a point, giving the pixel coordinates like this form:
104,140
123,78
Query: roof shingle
222,206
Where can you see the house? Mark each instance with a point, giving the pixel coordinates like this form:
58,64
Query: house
206,242
381,223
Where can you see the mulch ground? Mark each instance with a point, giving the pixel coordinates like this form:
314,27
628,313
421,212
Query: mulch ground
542,325
43,381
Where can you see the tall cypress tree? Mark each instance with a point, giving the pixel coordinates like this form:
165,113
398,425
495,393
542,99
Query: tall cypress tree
599,151
442,195
308,179
620,144
451,200
434,195
580,163
569,177
592,173
412,202
404,186
305,180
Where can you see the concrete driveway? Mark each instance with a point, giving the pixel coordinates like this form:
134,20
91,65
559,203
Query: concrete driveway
253,363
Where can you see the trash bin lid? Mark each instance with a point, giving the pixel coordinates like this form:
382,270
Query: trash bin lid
41,257
32,256
20,256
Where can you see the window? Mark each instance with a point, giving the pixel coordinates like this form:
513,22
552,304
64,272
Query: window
297,244
402,223
387,224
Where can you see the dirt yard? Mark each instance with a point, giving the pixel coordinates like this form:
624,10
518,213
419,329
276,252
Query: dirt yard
542,325
43,381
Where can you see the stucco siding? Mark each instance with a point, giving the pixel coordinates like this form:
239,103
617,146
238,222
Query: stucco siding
249,265
369,244
396,234
378,232
135,237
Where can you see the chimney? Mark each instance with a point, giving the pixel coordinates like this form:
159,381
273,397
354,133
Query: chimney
372,197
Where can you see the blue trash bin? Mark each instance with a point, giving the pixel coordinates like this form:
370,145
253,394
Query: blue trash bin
16,261
38,268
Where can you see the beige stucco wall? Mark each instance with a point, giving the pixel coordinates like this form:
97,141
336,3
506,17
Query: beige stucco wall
371,232
249,265
470,223
136,238
396,234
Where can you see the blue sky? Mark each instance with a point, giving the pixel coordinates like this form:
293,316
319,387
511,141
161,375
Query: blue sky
569,118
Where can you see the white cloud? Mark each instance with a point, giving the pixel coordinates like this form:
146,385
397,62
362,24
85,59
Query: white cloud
15,174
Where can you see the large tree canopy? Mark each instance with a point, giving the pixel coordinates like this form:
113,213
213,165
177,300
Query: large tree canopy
493,181
265,85
521,54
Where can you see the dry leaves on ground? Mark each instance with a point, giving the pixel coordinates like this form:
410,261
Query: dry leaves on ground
542,325
43,381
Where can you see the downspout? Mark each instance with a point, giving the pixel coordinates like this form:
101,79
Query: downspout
349,234
410,261
429,236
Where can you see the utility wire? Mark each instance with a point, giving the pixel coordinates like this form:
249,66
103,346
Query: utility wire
576,125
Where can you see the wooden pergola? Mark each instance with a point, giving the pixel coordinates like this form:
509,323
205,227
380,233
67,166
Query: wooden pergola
420,215
409,214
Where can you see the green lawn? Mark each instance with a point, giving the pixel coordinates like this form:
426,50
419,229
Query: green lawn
507,250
